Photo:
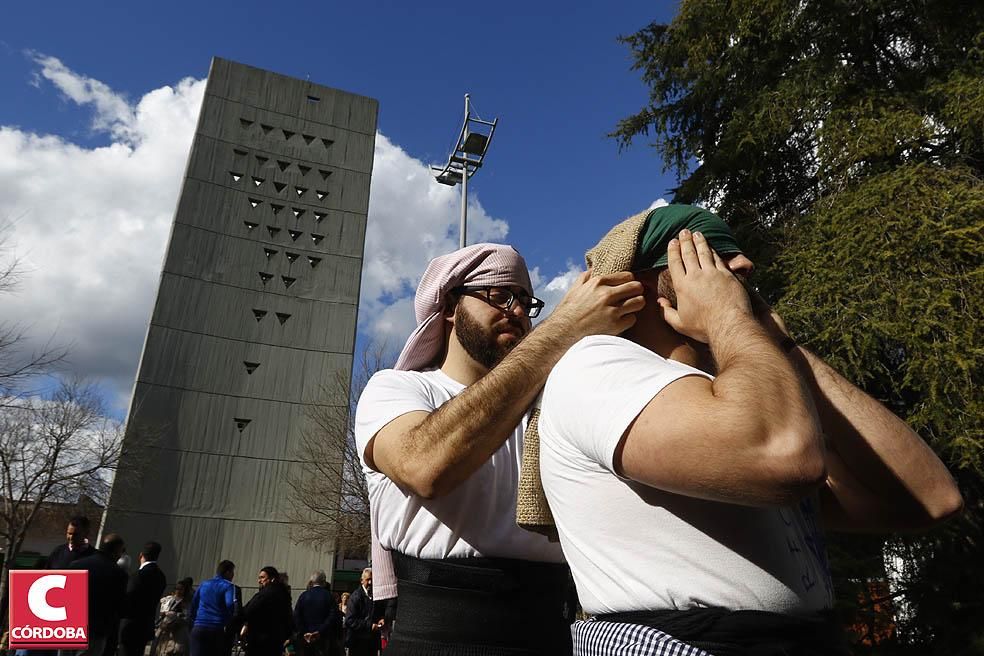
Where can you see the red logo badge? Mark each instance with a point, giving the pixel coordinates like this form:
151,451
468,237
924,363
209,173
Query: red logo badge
49,609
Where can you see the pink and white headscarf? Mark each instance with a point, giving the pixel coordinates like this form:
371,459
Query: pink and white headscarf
474,266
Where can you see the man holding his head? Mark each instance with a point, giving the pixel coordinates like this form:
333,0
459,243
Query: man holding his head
441,440
692,463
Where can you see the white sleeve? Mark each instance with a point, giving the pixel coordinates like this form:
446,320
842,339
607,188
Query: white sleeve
388,394
598,389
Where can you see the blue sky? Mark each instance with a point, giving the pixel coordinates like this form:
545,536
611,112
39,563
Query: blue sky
98,99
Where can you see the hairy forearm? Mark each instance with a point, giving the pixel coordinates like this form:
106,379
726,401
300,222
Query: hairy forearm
896,477
456,439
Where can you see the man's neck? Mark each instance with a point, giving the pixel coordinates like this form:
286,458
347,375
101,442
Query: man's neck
653,333
461,367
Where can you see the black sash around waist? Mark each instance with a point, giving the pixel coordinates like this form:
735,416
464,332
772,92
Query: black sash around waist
724,632
481,607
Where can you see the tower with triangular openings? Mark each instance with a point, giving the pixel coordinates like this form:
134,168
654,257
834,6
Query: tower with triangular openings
255,316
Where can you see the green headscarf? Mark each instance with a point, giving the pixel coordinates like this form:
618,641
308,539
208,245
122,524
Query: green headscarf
665,223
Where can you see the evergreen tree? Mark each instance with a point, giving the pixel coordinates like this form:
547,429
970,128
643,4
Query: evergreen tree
844,141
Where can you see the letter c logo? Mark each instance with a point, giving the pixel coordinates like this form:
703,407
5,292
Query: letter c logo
37,598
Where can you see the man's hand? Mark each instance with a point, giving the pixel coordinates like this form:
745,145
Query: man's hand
378,625
604,305
708,293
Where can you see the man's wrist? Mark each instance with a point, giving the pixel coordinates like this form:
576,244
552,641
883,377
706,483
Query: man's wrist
725,325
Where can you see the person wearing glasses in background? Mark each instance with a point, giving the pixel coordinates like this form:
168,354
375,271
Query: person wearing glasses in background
441,435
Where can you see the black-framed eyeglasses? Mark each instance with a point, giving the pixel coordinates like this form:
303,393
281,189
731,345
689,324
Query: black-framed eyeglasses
503,298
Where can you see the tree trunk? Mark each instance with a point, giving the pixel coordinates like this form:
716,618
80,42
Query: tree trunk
9,555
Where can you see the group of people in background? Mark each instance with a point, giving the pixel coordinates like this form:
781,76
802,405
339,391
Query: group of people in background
123,607
129,614
320,623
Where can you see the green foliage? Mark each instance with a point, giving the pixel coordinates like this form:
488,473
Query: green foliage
885,279
844,141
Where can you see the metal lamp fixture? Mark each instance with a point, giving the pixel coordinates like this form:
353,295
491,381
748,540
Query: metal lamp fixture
466,158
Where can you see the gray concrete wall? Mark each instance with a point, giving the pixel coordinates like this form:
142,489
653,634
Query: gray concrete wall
271,219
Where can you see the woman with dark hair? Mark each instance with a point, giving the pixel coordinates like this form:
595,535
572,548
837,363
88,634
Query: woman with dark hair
268,616
172,637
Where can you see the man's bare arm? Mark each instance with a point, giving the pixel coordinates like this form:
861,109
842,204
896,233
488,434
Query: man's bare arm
751,435
881,475
432,453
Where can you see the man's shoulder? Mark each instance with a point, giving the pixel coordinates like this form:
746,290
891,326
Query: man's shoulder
218,582
57,551
152,573
316,592
93,560
608,343
401,377
600,351
396,390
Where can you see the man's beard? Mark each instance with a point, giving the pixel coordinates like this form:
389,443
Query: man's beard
482,344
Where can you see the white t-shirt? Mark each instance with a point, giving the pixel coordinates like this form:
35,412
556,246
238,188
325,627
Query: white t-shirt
477,518
635,547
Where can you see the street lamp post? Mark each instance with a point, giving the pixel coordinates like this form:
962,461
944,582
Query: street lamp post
465,159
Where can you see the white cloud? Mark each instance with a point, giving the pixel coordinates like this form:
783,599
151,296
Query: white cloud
551,291
412,219
91,224
112,112
659,202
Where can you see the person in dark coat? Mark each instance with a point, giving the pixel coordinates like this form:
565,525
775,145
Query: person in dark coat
107,590
76,545
362,638
267,616
143,595
317,619
235,625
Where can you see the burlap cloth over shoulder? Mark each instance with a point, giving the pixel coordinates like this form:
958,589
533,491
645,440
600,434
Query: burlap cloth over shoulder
615,252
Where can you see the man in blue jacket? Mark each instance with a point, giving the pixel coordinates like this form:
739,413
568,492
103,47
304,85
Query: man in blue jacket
212,608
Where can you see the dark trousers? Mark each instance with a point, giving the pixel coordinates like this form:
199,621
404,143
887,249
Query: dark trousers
208,641
263,647
365,644
316,648
133,638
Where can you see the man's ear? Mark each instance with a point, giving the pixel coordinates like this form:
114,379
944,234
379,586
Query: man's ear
450,305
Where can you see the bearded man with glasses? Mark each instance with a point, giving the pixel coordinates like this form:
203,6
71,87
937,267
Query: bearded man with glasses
441,438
